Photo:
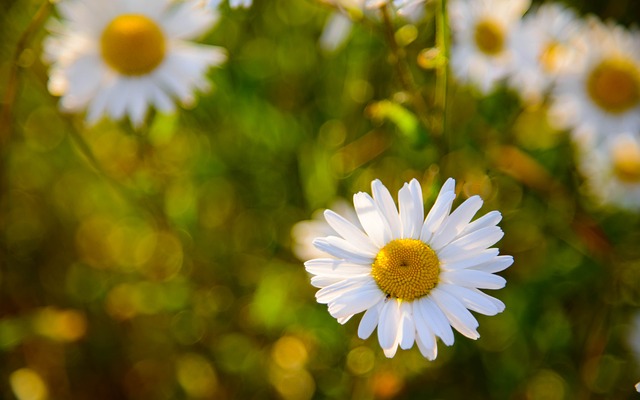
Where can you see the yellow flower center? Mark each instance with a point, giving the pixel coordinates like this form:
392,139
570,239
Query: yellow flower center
614,85
133,44
626,164
406,269
551,56
489,37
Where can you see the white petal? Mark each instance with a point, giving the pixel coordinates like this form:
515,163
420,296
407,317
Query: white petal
324,281
408,329
356,301
489,219
459,317
389,325
496,265
439,211
344,320
371,219
369,321
453,254
385,203
456,222
428,310
427,345
340,248
411,209
474,299
469,259
480,239
350,232
332,292
473,278
335,268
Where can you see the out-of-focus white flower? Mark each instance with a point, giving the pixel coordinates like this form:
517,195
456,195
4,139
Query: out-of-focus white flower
118,58
304,232
214,4
602,95
545,47
612,170
482,49
414,277
338,27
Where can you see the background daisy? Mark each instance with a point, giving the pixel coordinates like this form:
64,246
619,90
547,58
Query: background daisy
612,170
118,58
544,48
414,277
482,30
601,95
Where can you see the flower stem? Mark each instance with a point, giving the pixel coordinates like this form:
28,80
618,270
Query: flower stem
404,74
440,99
13,82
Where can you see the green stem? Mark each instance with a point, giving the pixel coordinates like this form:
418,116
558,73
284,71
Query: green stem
404,74
13,82
440,100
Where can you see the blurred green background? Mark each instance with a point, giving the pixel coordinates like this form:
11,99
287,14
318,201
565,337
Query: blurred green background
163,268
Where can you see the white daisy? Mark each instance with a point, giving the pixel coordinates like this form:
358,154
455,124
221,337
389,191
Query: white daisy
414,278
118,57
612,170
545,47
602,94
482,52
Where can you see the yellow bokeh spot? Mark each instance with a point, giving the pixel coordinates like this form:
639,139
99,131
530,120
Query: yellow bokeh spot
289,353
133,44
62,325
360,360
626,163
196,376
614,85
489,37
28,385
406,269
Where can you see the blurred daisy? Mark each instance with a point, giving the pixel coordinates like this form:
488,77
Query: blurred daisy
338,27
214,4
545,48
482,49
414,278
602,95
612,170
118,58
303,232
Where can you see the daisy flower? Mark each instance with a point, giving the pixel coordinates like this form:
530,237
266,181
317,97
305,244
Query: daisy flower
602,95
612,170
545,49
482,50
118,58
413,277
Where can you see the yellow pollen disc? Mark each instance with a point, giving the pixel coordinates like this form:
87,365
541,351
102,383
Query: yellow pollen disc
489,37
614,85
626,164
406,269
133,44
551,56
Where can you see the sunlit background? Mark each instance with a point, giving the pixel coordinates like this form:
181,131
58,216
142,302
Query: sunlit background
159,263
